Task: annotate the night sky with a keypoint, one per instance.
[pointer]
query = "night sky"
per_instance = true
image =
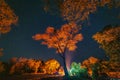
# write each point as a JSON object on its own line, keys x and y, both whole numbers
{"x": 32, "y": 19}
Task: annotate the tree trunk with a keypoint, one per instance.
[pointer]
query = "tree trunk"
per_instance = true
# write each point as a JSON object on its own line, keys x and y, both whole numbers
{"x": 65, "y": 70}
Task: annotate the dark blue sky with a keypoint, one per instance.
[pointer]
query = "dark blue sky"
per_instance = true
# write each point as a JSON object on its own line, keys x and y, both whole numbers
{"x": 32, "y": 19}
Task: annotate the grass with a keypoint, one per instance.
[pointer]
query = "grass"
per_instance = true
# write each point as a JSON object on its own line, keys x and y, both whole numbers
{"x": 45, "y": 77}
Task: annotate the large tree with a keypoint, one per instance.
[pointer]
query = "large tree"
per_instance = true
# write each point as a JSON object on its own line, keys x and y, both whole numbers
{"x": 7, "y": 17}
{"x": 63, "y": 40}
{"x": 109, "y": 40}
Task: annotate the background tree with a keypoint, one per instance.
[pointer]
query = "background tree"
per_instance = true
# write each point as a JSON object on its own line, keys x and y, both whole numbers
{"x": 51, "y": 66}
{"x": 30, "y": 65}
{"x": 13, "y": 60}
{"x": 1, "y": 67}
{"x": 108, "y": 67}
{"x": 62, "y": 39}
{"x": 77, "y": 10}
{"x": 1, "y": 52}
{"x": 19, "y": 66}
{"x": 109, "y": 40}
{"x": 78, "y": 70}
{"x": 7, "y": 17}
{"x": 61, "y": 71}
{"x": 24, "y": 65}
{"x": 37, "y": 64}
{"x": 91, "y": 65}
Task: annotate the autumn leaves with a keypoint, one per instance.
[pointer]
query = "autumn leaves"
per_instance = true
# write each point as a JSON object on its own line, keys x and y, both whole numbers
{"x": 65, "y": 37}
{"x": 109, "y": 40}
{"x": 75, "y": 12}
{"x": 7, "y": 17}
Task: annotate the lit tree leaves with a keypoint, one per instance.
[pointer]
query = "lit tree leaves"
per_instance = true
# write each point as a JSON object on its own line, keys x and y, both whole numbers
{"x": 24, "y": 65}
{"x": 90, "y": 63}
{"x": 50, "y": 30}
{"x": 79, "y": 71}
{"x": 77, "y": 10}
{"x": 7, "y": 17}
{"x": 108, "y": 35}
{"x": 109, "y": 67}
{"x": 109, "y": 40}
{"x": 65, "y": 38}
{"x": 51, "y": 66}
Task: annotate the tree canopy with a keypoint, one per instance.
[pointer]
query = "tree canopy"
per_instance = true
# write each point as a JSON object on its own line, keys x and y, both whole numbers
{"x": 51, "y": 66}
{"x": 7, "y": 17}
{"x": 109, "y": 40}
{"x": 62, "y": 39}
{"x": 77, "y": 10}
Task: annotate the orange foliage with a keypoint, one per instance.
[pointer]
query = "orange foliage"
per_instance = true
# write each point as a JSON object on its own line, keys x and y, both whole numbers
{"x": 90, "y": 61}
{"x": 33, "y": 64}
{"x": 66, "y": 37}
{"x": 50, "y": 30}
{"x": 51, "y": 66}
{"x": 23, "y": 64}
{"x": 79, "y": 10}
{"x": 61, "y": 71}
{"x": 114, "y": 74}
{"x": 7, "y": 17}
{"x": 108, "y": 35}
{"x": 109, "y": 40}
